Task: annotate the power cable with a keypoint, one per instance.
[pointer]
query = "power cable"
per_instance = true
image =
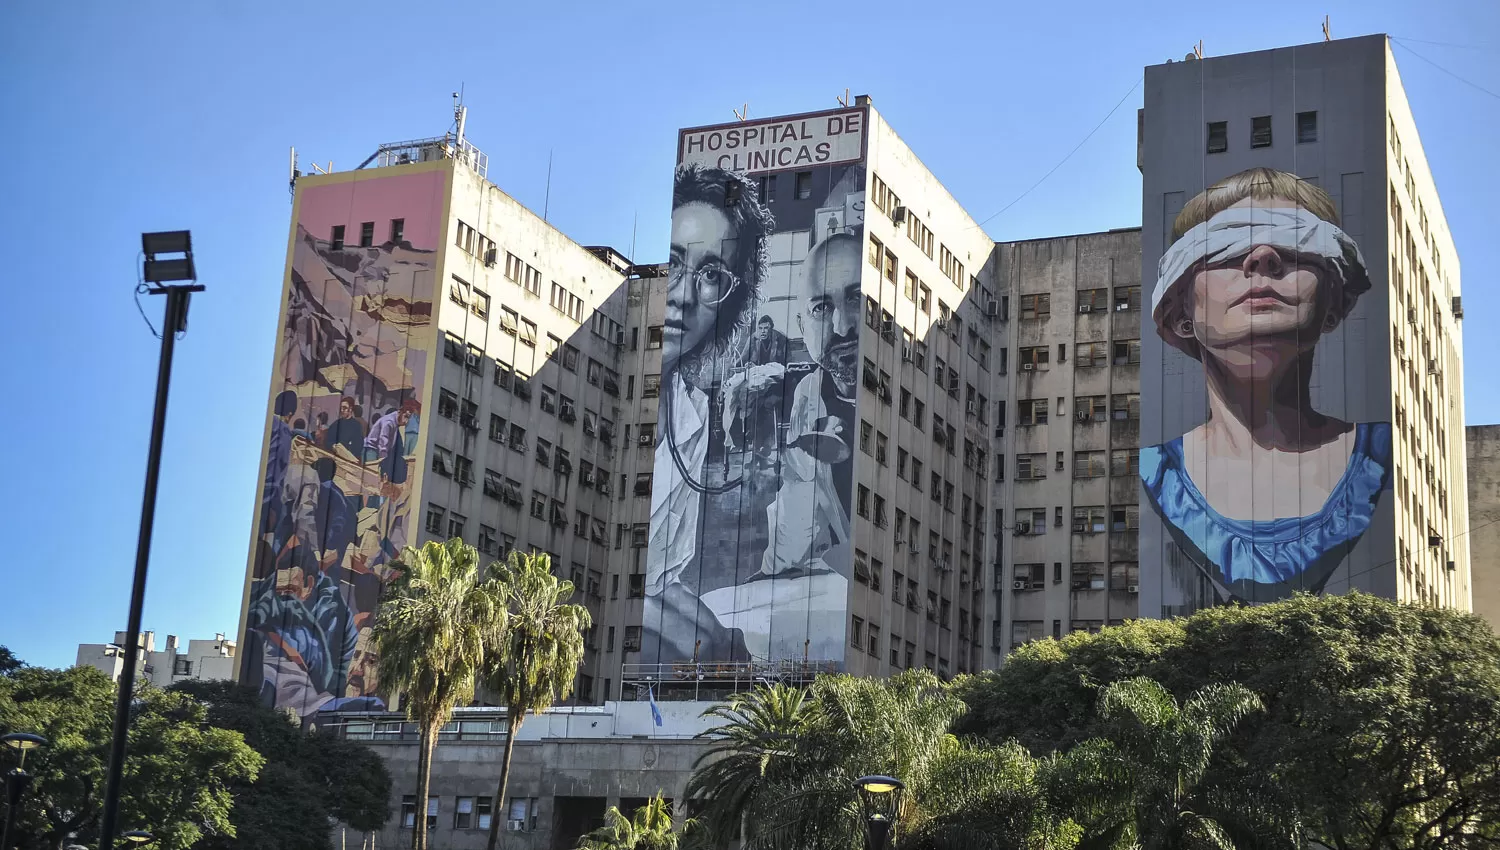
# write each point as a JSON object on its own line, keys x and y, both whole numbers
{"x": 141, "y": 289}
{"x": 1470, "y": 83}
{"x": 1075, "y": 149}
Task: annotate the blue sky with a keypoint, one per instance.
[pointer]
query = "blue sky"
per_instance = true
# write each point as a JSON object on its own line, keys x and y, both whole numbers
{"x": 152, "y": 116}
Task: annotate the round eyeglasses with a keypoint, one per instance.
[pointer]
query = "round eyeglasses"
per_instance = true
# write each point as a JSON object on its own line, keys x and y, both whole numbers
{"x": 712, "y": 282}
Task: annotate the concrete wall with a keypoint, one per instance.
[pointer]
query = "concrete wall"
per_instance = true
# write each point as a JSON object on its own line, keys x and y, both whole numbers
{"x": 1483, "y": 452}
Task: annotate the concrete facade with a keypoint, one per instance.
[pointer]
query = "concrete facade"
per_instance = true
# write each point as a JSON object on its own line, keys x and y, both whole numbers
{"x": 1482, "y": 448}
{"x": 205, "y": 660}
{"x": 570, "y": 765}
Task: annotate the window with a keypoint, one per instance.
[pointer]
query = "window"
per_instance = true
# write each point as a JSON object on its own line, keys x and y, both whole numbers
{"x": 1033, "y": 357}
{"x": 1032, "y": 411}
{"x": 1127, "y": 407}
{"x": 480, "y": 306}
{"x": 891, "y": 266}
{"x": 456, "y": 523}
{"x": 1087, "y": 354}
{"x": 336, "y": 238}
{"x": 1088, "y": 520}
{"x": 1088, "y": 464}
{"x": 1124, "y": 518}
{"x": 487, "y": 542}
{"x": 919, "y": 414}
{"x": 1093, "y": 300}
{"x": 864, "y": 436}
{"x": 1307, "y": 127}
{"x": 1033, "y": 576}
{"x": 509, "y": 319}
{"x": 651, "y": 384}
{"x": 643, "y": 483}
{"x": 1031, "y": 521}
{"x": 1124, "y": 575}
{"x": 880, "y": 515}
{"x": 1127, "y": 352}
{"x": 877, "y": 252}
{"x": 1124, "y": 462}
{"x": 398, "y": 230}
{"x": 862, "y": 502}
{"x": 916, "y": 474}
{"x": 880, "y": 449}
{"x": 910, "y": 289}
{"x": 901, "y": 457}
{"x": 442, "y": 461}
{"x": 1127, "y": 298}
{"x": 463, "y": 813}
{"x": 1218, "y": 136}
{"x": 1090, "y": 408}
{"x": 1031, "y": 467}
{"x": 1036, "y": 306}
{"x": 435, "y": 517}
{"x": 366, "y": 234}
{"x": 653, "y": 337}
{"x": 857, "y": 633}
{"x": 409, "y": 812}
{"x": 1260, "y": 131}
{"x": 528, "y": 332}
{"x": 802, "y": 185}
{"x": 874, "y": 644}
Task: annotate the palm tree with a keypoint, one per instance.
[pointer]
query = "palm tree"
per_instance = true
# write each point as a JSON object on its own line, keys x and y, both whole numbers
{"x": 436, "y": 619}
{"x": 539, "y": 653}
{"x": 1146, "y": 781}
{"x": 648, "y": 828}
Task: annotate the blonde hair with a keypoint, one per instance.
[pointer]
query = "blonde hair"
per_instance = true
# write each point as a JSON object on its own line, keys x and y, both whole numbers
{"x": 1260, "y": 184}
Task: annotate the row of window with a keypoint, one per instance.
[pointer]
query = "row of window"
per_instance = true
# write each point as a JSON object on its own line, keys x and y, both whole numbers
{"x": 367, "y": 234}
{"x": 1090, "y": 519}
{"x": 1260, "y": 132}
{"x": 1123, "y": 576}
{"x": 471, "y": 813}
{"x": 1116, "y": 463}
{"x": 1025, "y": 631}
{"x": 1086, "y": 409}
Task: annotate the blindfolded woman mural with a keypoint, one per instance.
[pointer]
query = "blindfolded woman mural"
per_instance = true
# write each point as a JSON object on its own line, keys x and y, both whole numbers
{"x": 1268, "y": 495}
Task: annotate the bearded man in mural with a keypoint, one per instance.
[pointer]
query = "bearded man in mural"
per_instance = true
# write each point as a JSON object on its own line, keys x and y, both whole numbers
{"x": 1268, "y": 495}
{"x": 718, "y": 262}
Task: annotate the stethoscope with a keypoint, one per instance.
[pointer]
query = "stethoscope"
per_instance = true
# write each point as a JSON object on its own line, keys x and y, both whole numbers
{"x": 671, "y": 438}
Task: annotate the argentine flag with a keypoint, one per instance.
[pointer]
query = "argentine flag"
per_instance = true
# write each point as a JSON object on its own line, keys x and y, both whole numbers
{"x": 655, "y": 712}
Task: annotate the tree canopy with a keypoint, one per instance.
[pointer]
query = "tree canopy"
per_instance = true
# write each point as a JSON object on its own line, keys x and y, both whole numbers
{"x": 310, "y": 778}
{"x": 179, "y": 774}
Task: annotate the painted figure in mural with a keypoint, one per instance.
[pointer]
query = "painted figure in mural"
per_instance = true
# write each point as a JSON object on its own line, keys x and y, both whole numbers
{"x": 1268, "y": 495}
{"x": 718, "y": 262}
{"x": 811, "y": 513}
{"x": 754, "y": 391}
{"x": 278, "y": 456}
{"x": 347, "y": 430}
{"x": 308, "y": 636}
{"x": 387, "y": 441}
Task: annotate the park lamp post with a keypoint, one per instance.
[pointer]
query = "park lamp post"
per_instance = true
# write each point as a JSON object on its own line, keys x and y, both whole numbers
{"x": 138, "y": 837}
{"x": 17, "y": 780}
{"x": 879, "y": 803}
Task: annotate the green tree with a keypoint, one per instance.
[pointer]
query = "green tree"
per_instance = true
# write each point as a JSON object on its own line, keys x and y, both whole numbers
{"x": 782, "y": 764}
{"x": 9, "y": 663}
{"x": 309, "y": 778}
{"x": 437, "y": 619}
{"x": 647, "y": 828}
{"x": 1381, "y": 722}
{"x": 537, "y": 656}
{"x": 179, "y": 771}
{"x": 1155, "y": 761}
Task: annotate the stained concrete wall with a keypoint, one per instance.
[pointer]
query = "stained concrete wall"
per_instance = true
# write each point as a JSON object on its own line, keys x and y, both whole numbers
{"x": 1483, "y": 451}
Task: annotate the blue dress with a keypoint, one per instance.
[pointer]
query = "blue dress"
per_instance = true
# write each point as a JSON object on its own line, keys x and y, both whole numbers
{"x": 1293, "y": 553}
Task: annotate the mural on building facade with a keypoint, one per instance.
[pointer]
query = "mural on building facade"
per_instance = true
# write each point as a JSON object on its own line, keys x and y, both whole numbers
{"x": 1273, "y": 486}
{"x": 749, "y": 550}
{"x": 335, "y": 502}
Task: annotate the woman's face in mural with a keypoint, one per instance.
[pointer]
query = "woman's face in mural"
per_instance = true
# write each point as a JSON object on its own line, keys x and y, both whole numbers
{"x": 704, "y": 250}
{"x": 1264, "y": 298}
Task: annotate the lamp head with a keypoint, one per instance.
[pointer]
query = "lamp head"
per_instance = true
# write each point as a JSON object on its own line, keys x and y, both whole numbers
{"x": 23, "y": 741}
{"x": 138, "y": 837}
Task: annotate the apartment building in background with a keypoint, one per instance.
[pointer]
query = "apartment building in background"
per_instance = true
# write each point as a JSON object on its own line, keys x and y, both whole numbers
{"x": 207, "y": 660}
{"x": 1483, "y": 469}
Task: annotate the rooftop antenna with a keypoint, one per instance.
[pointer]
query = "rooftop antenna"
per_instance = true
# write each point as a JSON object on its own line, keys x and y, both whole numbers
{"x": 1198, "y": 49}
{"x": 634, "y": 224}
{"x": 743, "y": 113}
{"x": 293, "y": 175}
{"x": 460, "y": 115}
{"x": 1327, "y": 30}
{"x": 844, "y": 101}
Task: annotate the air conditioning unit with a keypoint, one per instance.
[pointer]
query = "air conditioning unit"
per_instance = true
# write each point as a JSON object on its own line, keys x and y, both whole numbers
{"x": 945, "y": 565}
{"x": 1132, "y": 588}
{"x": 1432, "y": 367}
{"x": 644, "y": 439}
{"x": 914, "y": 549}
{"x": 1020, "y": 585}
{"x": 898, "y": 215}
{"x": 900, "y": 540}
{"x": 1083, "y": 416}
{"x": 992, "y": 309}
{"x": 603, "y": 489}
{"x": 1080, "y": 527}
{"x": 1028, "y": 367}
{"x": 471, "y": 359}
{"x": 1023, "y": 528}
{"x": 1411, "y": 315}
{"x": 1085, "y": 308}
{"x": 905, "y": 356}
{"x": 491, "y": 257}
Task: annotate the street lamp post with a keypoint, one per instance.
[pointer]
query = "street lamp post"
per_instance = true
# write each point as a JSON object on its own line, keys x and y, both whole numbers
{"x": 880, "y": 804}
{"x": 163, "y": 265}
{"x": 138, "y": 837}
{"x": 17, "y": 780}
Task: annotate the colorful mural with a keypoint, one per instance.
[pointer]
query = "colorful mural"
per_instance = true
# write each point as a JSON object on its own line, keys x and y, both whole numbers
{"x": 749, "y": 551}
{"x": 1268, "y": 487}
{"x": 340, "y": 467}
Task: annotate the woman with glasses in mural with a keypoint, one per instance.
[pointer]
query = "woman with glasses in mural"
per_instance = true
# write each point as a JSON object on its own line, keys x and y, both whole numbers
{"x": 718, "y": 261}
{"x": 1268, "y": 495}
